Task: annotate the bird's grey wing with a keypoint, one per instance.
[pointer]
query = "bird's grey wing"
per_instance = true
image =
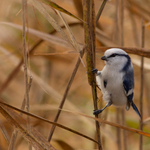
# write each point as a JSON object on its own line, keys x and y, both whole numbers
{"x": 128, "y": 84}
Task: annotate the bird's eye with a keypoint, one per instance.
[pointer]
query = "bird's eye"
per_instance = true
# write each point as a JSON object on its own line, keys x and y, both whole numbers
{"x": 113, "y": 55}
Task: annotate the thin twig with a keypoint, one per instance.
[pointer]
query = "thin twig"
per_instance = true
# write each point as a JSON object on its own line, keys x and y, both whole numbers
{"x": 72, "y": 38}
{"x": 134, "y": 28}
{"x": 124, "y": 132}
{"x": 121, "y": 18}
{"x": 121, "y": 22}
{"x": 4, "y": 132}
{"x": 117, "y": 28}
{"x": 65, "y": 94}
{"x": 93, "y": 86}
{"x": 100, "y": 10}
{"x": 118, "y": 129}
{"x": 15, "y": 132}
{"x": 117, "y": 39}
{"x": 141, "y": 89}
{"x": 25, "y": 53}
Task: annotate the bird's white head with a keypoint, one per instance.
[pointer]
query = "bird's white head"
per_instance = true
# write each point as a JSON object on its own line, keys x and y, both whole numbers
{"x": 116, "y": 57}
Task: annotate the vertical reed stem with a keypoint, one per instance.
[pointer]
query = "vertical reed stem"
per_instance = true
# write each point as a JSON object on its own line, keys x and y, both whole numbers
{"x": 118, "y": 40}
{"x": 121, "y": 18}
{"x": 89, "y": 27}
{"x": 24, "y": 5}
{"x": 100, "y": 10}
{"x": 142, "y": 81}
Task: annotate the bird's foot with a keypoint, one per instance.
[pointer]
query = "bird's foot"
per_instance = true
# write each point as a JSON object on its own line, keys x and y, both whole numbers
{"x": 96, "y": 112}
{"x": 94, "y": 70}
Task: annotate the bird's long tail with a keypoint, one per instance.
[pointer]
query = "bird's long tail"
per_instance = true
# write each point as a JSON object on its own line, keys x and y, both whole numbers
{"x": 136, "y": 109}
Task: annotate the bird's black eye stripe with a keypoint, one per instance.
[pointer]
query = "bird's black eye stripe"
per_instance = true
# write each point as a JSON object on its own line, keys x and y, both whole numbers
{"x": 113, "y": 55}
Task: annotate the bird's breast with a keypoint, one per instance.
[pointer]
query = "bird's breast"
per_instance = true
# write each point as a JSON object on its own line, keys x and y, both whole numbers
{"x": 113, "y": 90}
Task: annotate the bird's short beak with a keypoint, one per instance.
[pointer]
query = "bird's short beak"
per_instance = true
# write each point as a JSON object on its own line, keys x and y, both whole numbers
{"x": 104, "y": 58}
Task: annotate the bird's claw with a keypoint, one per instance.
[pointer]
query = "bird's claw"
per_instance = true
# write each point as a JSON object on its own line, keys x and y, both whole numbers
{"x": 96, "y": 112}
{"x": 94, "y": 70}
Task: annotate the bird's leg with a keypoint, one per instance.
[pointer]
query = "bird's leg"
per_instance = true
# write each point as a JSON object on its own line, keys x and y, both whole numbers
{"x": 96, "y": 112}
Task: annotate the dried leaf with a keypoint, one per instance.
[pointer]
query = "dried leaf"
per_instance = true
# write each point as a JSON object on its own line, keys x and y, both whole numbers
{"x": 4, "y": 132}
{"x": 73, "y": 40}
{"x": 50, "y": 19}
{"x": 57, "y": 7}
{"x": 34, "y": 137}
{"x": 47, "y": 37}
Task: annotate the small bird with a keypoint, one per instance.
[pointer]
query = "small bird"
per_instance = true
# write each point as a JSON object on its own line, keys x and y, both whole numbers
{"x": 116, "y": 80}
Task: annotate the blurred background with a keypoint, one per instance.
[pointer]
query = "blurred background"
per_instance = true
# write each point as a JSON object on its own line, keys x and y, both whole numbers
{"x": 51, "y": 64}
